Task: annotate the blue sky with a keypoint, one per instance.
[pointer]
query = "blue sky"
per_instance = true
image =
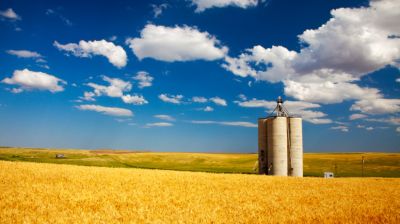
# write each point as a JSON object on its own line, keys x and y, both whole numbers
{"x": 196, "y": 75}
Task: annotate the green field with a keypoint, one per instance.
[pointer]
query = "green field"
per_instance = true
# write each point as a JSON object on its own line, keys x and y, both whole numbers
{"x": 342, "y": 164}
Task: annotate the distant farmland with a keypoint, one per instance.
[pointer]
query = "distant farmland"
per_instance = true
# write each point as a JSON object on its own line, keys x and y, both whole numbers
{"x": 342, "y": 164}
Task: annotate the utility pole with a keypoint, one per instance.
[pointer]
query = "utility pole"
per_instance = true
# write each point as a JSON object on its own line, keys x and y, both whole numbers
{"x": 362, "y": 168}
{"x": 336, "y": 174}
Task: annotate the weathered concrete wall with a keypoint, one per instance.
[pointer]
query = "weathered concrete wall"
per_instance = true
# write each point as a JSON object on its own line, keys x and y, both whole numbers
{"x": 296, "y": 147}
{"x": 279, "y": 145}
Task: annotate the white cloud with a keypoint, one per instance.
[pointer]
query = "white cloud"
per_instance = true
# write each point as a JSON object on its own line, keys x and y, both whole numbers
{"x": 176, "y": 44}
{"x": 159, "y": 124}
{"x": 40, "y": 60}
{"x": 354, "y": 41}
{"x": 199, "y": 99}
{"x": 134, "y": 99}
{"x": 218, "y": 101}
{"x": 115, "y": 54}
{"x": 10, "y": 14}
{"x": 88, "y": 96}
{"x": 113, "y": 38}
{"x": 116, "y": 87}
{"x": 175, "y": 99}
{"x": 50, "y": 12}
{"x": 144, "y": 78}
{"x": 158, "y": 9}
{"x": 352, "y": 44}
{"x": 24, "y": 54}
{"x": 202, "y": 5}
{"x": 326, "y": 91}
{"x": 227, "y": 123}
{"x": 341, "y": 128}
{"x": 112, "y": 111}
{"x": 123, "y": 120}
{"x": 398, "y": 129}
{"x": 208, "y": 109}
{"x": 258, "y": 103}
{"x": 239, "y": 123}
{"x": 30, "y": 54}
{"x": 16, "y": 90}
{"x": 390, "y": 120}
{"x": 295, "y": 108}
{"x": 278, "y": 56}
{"x": 29, "y": 80}
{"x": 398, "y": 80}
{"x": 357, "y": 116}
{"x": 377, "y": 106}
{"x": 164, "y": 117}
{"x": 366, "y": 128}
{"x": 242, "y": 97}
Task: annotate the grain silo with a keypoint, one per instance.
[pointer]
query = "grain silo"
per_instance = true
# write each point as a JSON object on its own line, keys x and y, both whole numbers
{"x": 280, "y": 143}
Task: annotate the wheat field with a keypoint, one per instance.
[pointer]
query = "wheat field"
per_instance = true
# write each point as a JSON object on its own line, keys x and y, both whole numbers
{"x": 52, "y": 193}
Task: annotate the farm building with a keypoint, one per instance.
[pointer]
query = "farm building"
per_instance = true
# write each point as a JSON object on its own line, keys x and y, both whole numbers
{"x": 280, "y": 143}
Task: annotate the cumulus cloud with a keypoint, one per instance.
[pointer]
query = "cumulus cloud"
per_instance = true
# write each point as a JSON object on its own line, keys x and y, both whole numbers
{"x": 144, "y": 78}
{"x": 10, "y": 14}
{"x": 134, "y": 99}
{"x": 175, "y": 99}
{"x": 199, "y": 99}
{"x": 377, "y": 106}
{"x": 164, "y": 117}
{"x": 202, "y": 5}
{"x": 115, "y": 54}
{"x": 227, "y": 123}
{"x": 116, "y": 87}
{"x": 179, "y": 43}
{"x": 30, "y": 80}
{"x": 112, "y": 111}
{"x": 357, "y": 116}
{"x": 333, "y": 58}
{"x": 218, "y": 101}
{"x": 327, "y": 90}
{"x": 276, "y": 62}
{"x": 306, "y": 110}
{"x": 159, "y": 124}
{"x": 24, "y": 54}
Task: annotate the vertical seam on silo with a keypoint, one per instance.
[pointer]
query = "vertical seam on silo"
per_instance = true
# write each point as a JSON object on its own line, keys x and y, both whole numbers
{"x": 289, "y": 146}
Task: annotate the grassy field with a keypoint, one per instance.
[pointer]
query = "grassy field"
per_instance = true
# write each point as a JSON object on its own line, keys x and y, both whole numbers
{"x": 342, "y": 164}
{"x": 53, "y": 193}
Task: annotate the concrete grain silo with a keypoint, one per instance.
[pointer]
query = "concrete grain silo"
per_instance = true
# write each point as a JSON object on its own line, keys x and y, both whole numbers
{"x": 279, "y": 146}
{"x": 295, "y": 147}
{"x": 280, "y": 143}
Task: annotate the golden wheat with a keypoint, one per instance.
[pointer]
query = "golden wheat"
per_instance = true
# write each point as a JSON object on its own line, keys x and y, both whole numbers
{"x": 48, "y": 193}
